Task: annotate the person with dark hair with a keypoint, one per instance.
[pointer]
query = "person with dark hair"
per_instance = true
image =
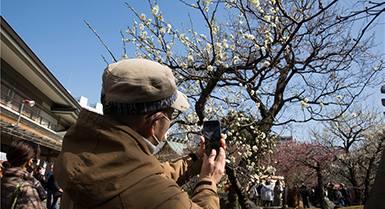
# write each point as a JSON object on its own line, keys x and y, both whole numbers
{"x": 278, "y": 190}
{"x": 53, "y": 190}
{"x": 305, "y": 194}
{"x": 38, "y": 175}
{"x": 259, "y": 188}
{"x": 345, "y": 195}
{"x": 18, "y": 187}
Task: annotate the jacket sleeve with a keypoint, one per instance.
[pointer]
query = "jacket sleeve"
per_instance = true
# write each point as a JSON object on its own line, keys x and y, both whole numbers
{"x": 31, "y": 197}
{"x": 57, "y": 187}
{"x": 205, "y": 194}
{"x": 182, "y": 169}
{"x": 39, "y": 188}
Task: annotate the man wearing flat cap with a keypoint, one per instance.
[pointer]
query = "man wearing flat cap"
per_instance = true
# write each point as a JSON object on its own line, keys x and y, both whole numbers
{"x": 107, "y": 160}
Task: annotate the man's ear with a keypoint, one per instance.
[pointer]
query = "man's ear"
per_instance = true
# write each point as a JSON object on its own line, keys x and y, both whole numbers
{"x": 151, "y": 126}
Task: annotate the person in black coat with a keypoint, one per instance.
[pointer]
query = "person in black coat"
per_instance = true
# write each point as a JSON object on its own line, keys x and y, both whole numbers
{"x": 54, "y": 190}
{"x": 304, "y": 191}
{"x": 39, "y": 176}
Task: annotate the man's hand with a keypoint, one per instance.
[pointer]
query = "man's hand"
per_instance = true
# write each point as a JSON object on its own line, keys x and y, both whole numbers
{"x": 202, "y": 147}
{"x": 213, "y": 166}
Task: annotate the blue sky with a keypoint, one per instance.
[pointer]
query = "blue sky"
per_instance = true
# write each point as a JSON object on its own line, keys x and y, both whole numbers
{"x": 56, "y": 33}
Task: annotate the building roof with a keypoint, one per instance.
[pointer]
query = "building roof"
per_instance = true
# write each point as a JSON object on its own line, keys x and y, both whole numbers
{"x": 177, "y": 147}
{"x": 17, "y": 54}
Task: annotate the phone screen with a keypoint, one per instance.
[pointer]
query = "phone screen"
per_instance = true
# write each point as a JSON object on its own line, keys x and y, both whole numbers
{"x": 212, "y": 134}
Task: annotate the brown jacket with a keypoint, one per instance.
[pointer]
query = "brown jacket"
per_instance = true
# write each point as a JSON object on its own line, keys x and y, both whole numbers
{"x": 32, "y": 193}
{"x": 104, "y": 164}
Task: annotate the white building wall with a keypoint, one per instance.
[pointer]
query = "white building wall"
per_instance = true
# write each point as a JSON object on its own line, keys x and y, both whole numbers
{"x": 95, "y": 107}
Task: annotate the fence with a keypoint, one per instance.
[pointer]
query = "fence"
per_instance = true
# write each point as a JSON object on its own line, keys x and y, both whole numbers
{"x": 33, "y": 113}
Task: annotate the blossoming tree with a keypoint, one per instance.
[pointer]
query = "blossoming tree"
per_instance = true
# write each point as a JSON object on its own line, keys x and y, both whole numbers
{"x": 360, "y": 133}
{"x": 309, "y": 162}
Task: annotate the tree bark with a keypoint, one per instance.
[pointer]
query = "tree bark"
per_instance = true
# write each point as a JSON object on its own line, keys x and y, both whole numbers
{"x": 320, "y": 192}
{"x": 244, "y": 202}
{"x": 377, "y": 196}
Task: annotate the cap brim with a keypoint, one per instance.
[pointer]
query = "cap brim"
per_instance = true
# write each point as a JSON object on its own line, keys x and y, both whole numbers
{"x": 181, "y": 102}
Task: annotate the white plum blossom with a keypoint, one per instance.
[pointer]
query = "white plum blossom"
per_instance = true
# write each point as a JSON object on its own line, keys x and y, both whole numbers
{"x": 248, "y": 153}
{"x": 168, "y": 28}
{"x": 267, "y": 18}
{"x": 236, "y": 59}
{"x": 255, "y": 3}
{"x": 155, "y": 10}
{"x": 210, "y": 68}
{"x": 162, "y": 30}
{"x": 270, "y": 170}
{"x": 142, "y": 16}
{"x": 190, "y": 58}
{"x": 263, "y": 135}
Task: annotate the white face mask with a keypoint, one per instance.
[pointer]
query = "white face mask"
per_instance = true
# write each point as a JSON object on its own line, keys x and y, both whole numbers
{"x": 160, "y": 145}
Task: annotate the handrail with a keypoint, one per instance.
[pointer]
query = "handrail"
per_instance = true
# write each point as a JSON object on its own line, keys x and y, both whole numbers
{"x": 27, "y": 111}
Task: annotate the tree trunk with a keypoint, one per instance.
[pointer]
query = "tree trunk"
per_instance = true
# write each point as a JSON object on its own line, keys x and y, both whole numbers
{"x": 232, "y": 198}
{"x": 377, "y": 195}
{"x": 244, "y": 202}
{"x": 369, "y": 172}
{"x": 320, "y": 193}
{"x": 353, "y": 180}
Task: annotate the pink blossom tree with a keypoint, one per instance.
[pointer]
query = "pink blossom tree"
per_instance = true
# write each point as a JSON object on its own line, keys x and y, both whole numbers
{"x": 309, "y": 162}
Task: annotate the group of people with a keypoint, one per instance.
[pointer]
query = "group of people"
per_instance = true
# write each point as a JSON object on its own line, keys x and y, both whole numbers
{"x": 340, "y": 196}
{"x": 266, "y": 194}
{"x": 334, "y": 196}
{"x": 23, "y": 185}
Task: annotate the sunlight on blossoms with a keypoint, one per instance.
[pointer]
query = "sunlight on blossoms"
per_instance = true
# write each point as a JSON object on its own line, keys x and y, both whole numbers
{"x": 267, "y": 18}
{"x": 190, "y": 58}
{"x": 255, "y": 3}
{"x": 270, "y": 170}
{"x": 155, "y": 10}
{"x": 142, "y": 16}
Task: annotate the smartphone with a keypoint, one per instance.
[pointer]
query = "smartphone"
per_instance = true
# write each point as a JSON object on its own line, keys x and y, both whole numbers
{"x": 212, "y": 134}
